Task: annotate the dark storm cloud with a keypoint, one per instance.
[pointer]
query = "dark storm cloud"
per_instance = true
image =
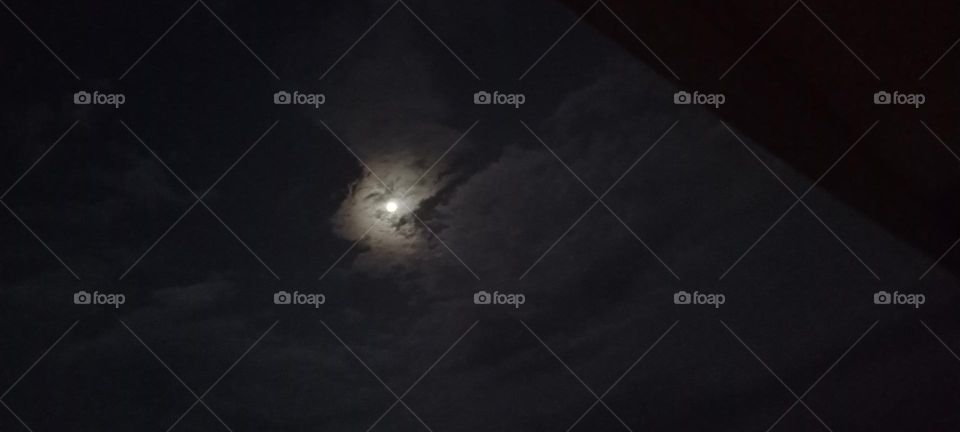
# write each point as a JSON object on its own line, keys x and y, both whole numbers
{"x": 400, "y": 299}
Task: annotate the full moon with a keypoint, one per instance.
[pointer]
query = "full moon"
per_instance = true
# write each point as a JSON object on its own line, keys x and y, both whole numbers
{"x": 392, "y": 206}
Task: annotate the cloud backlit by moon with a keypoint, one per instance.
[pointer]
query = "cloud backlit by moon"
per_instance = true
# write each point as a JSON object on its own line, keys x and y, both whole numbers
{"x": 377, "y": 211}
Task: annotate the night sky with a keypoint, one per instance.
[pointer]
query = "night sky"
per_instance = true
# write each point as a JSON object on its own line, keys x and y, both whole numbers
{"x": 600, "y": 200}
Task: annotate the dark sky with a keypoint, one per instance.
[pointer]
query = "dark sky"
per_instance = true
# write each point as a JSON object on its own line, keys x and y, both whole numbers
{"x": 503, "y": 199}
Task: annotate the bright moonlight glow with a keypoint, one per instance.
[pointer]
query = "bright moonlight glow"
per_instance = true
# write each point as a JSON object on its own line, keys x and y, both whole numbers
{"x": 392, "y": 206}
